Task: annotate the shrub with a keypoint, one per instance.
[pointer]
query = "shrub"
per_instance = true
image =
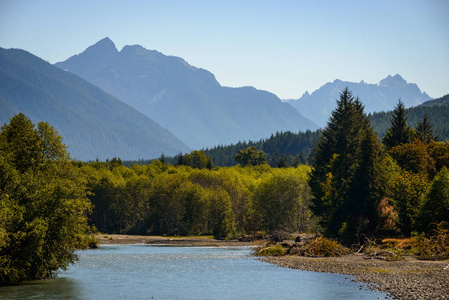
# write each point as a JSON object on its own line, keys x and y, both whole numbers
{"x": 272, "y": 250}
{"x": 437, "y": 246}
{"x": 325, "y": 247}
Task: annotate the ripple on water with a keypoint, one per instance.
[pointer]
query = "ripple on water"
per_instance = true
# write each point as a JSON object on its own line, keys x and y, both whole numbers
{"x": 142, "y": 272}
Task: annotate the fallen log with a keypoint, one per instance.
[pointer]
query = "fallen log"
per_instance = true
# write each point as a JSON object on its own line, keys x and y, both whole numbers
{"x": 384, "y": 252}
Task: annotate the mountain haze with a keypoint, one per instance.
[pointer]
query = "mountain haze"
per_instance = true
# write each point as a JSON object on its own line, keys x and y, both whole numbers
{"x": 186, "y": 100}
{"x": 93, "y": 123}
{"x": 382, "y": 96}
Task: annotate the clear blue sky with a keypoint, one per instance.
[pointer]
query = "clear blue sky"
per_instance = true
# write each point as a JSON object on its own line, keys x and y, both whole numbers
{"x": 285, "y": 47}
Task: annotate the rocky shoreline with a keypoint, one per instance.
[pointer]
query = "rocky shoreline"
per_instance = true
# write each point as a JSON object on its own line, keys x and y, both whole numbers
{"x": 406, "y": 279}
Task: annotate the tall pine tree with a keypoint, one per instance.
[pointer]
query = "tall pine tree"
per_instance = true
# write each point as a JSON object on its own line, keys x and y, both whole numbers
{"x": 399, "y": 132}
{"x": 344, "y": 179}
{"x": 425, "y": 132}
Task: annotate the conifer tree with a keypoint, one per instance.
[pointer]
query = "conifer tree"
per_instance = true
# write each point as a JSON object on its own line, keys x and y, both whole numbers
{"x": 399, "y": 132}
{"x": 425, "y": 132}
{"x": 344, "y": 176}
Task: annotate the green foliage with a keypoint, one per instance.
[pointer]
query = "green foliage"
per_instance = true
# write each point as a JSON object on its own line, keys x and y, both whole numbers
{"x": 347, "y": 179}
{"x": 399, "y": 132}
{"x": 43, "y": 203}
{"x": 223, "y": 202}
{"x": 439, "y": 152}
{"x": 436, "y": 110}
{"x": 272, "y": 250}
{"x": 196, "y": 160}
{"x": 424, "y": 131}
{"x": 251, "y": 157}
{"x": 325, "y": 247}
{"x": 291, "y": 148}
{"x": 414, "y": 157}
{"x": 282, "y": 200}
{"x": 409, "y": 190}
{"x": 436, "y": 205}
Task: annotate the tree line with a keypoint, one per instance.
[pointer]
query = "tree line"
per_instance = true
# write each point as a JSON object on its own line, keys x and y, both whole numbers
{"x": 436, "y": 110}
{"x": 362, "y": 187}
{"x": 228, "y": 202}
{"x": 283, "y": 149}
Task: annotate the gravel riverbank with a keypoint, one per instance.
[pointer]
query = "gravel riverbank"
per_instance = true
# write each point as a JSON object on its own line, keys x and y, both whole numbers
{"x": 407, "y": 279}
{"x": 106, "y": 239}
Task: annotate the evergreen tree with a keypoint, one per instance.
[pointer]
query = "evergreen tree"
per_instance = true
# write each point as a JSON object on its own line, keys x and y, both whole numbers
{"x": 251, "y": 157}
{"x": 436, "y": 205}
{"x": 399, "y": 132}
{"x": 425, "y": 132}
{"x": 366, "y": 187}
{"x": 344, "y": 176}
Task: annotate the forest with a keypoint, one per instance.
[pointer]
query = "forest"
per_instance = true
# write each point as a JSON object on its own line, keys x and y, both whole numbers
{"x": 355, "y": 185}
{"x": 289, "y": 149}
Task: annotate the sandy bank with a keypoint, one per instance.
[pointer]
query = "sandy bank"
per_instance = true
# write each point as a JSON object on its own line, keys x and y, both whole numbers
{"x": 172, "y": 241}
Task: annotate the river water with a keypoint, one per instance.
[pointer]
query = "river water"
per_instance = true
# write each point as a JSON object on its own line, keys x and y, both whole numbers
{"x": 155, "y": 272}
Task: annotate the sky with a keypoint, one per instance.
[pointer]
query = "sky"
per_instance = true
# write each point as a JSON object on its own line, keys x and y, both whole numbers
{"x": 284, "y": 47}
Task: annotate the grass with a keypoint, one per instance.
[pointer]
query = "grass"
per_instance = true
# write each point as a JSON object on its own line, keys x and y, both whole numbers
{"x": 325, "y": 247}
{"x": 273, "y": 250}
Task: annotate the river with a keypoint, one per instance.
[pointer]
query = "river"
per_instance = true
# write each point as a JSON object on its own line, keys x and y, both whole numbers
{"x": 155, "y": 272}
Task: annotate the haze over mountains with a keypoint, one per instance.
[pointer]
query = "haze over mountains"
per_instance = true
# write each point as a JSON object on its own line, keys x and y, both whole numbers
{"x": 382, "y": 96}
{"x": 168, "y": 96}
{"x": 93, "y": 123}
{"x": 186, "y": 100}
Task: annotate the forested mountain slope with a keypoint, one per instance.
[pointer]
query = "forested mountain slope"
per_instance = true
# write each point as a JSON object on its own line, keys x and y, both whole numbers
{"x": 184, "y": 99}
{"x": 437, "y": 111}
{"x": 93, "y": 123}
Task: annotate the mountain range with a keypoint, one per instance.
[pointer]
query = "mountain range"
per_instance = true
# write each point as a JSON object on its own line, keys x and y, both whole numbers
{"x": 379, "y": 97}
{"x": 186, "y": 100}
{"x": 93, "y": 123}
{"x": 138, "y": 103}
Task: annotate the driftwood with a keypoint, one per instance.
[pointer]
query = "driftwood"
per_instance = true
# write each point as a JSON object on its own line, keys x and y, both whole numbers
{"x": 446, "y": 268}
{"x": 360, "y": 249}
{"x": 384, "y": 252}
{"x": 376, "y": 255}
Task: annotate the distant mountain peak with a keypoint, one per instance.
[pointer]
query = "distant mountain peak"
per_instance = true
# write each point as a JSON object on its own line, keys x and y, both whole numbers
{"x": 375, "y": 97}
{"x": 96, "y": 56}
{"x": 105, "y": 41}
{"x": 187, "y": 100}
{"x": 104, "y": 46}
{"x": 389, "y": 80}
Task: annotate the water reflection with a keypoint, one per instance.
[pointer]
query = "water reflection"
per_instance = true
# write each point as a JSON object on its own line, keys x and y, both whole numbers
{"x": 59, "y": 288}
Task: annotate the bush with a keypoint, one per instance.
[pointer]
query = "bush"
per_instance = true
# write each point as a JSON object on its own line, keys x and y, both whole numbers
{"x": 272, "y": 250}
{"x": 437, "y": 246}
{"x": 324, "y": 247}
